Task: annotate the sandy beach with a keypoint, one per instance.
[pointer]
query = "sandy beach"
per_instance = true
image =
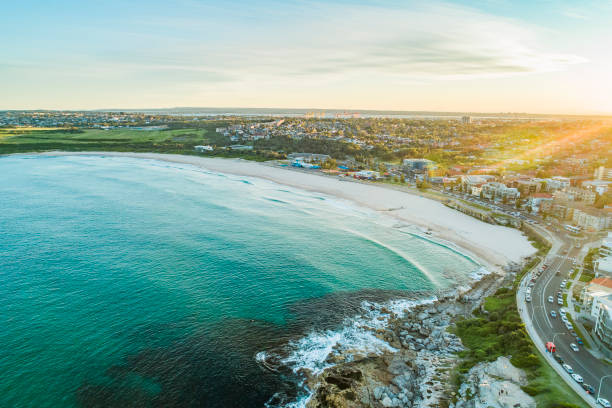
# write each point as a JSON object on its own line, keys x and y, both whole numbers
{"x": 493, "y": 245}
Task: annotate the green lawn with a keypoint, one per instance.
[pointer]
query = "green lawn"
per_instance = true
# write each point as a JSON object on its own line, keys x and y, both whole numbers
{"x": 586, "y": 277}
{"x": 63, "y": 136}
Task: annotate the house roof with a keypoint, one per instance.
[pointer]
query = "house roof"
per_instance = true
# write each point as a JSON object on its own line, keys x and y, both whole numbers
{"x": 607, "y": 282}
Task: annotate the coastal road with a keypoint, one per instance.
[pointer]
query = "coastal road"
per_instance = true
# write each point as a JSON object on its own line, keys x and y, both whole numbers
{"x": 560, "y": 264}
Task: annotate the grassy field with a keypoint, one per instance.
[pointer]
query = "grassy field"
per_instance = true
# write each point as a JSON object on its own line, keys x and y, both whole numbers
{"x": 179, "y": 141}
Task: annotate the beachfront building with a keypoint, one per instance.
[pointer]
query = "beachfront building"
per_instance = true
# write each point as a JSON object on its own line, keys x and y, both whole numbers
{"x": 540, "y": 202}
{"x": 603, "y": 267}
{"x": 473, "y": 183}
{"x": 593, "y": 292}
{"x": 499, "y": 191}
{"x": 561, "y": 211}
{"x": 596, "y": 298}
{"x": 592, "y": 219}
{"x": 528, "y": 187}
{"x": 602, "y": 333}
{"x": 308, "y": 157}
{"x": 605, "y": 249}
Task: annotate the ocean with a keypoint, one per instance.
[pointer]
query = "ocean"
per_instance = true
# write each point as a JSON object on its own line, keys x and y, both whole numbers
{"x": 139, "y": 283}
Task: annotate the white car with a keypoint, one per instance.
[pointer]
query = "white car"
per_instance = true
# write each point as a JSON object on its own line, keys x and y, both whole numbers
{"x": 569, "y": 326}
{"x": 574, "y": 347}
{"x": 603, "y": 402}
{"x": 560, "y": 302}
{"x": 562, "y": 311}
{"x": 577, "y": 378}
{"x": 550, "y": 299}
{"x": 553, "y": 313}
{"x": 528, "y": 298}
{"x": 568, "y": 368}
{"x": 564, "y": 319}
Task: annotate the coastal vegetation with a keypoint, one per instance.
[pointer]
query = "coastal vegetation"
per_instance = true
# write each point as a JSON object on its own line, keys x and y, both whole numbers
{"x": 497, "y": 330}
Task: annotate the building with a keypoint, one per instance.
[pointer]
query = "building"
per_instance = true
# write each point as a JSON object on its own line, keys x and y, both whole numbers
{"x": 466, "y": 120}
{"x": 528, "y": 187}
{"x": 581, "y": 194}
{"x": 596, "y": 298}
{"x": 603, "y": 267}
{"x": 470, "y": 182}
{"x": 592, "y": 219}
{"x": 605, "y": 249}
{"x": 418, "y": 164}
{"x": 240, "y": 147}
{"x": 499, "y": 191}
{"x": 598, "y": 186}
{"x": 201, "y": 148}
{"x": 602, "y": 173}
{"x": 561, "y": 211}
{"x": 308, "y": 157}
{"x": 602, "y": 333}
{"x": 540, "y": 202}
{"x": 557, "y": 183}
{"x": 595, "y": 290}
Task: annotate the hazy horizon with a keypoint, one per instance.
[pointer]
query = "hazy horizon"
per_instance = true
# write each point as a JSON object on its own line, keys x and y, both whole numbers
{"x": 539, "y": 57}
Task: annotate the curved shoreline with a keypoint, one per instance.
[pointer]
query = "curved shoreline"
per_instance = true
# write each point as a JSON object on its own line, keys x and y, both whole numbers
{"x": 492, "y": 245}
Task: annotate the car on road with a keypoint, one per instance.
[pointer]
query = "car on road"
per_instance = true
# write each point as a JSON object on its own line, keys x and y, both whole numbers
{"x": 528, "y": 298}
{"x": 588, "y": 388}
{"x": 577, "y": 378}
{"x": 579, "y": 340}
{"x": 550, "y": 299}
{"x": 573, "y": 333}
{"x": 574, "y": 347}
{"x": 603, "y": 402}
{"x": 568, "y": 368}
{"x": 553, "y": 313}
{"x": 559, "y": 359}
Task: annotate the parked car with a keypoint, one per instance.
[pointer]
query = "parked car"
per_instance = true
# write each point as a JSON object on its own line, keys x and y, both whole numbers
{"x": 603, "y": 402}
{"x": 562, "y": 311}
{"x": 577, "y": 378}
{"x": 573, "y": 333}
{"x": 588, "y": 388}
{"x": 579, "y": 340}
{"x": 553, "y": 313}
{"x": 568, "y": 368}
{"x": 560, "y": 302}
{"x": 569, "y": 326}
{"x": 564, "y": 319}
{"x": 574, "y": 347}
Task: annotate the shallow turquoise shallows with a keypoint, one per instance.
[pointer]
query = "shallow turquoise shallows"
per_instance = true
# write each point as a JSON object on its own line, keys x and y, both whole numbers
{"x": 129, "y": 282}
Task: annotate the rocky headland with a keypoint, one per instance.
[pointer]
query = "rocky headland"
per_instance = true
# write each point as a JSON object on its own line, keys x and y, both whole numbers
{"x": 418, "y": 370}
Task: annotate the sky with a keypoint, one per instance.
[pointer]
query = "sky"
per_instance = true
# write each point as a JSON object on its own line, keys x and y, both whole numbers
{"x": 538, "y": 56}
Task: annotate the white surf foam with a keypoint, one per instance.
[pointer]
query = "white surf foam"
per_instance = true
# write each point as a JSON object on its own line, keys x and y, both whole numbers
{"x": 356, "y": 337}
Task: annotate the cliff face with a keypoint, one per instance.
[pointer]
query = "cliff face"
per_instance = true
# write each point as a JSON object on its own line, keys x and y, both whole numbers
{"x": 417, "y": 373}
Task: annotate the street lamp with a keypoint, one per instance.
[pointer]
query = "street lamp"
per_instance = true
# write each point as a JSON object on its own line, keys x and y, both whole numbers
{"x": 600, "y": 381}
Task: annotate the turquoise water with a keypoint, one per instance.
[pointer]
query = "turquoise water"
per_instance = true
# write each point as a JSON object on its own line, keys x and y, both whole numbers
{"x": 129, "y": 282}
